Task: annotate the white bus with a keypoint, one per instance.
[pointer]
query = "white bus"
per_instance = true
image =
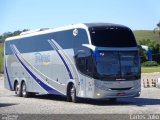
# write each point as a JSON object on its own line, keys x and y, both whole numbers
{"x": 94, "y": 60}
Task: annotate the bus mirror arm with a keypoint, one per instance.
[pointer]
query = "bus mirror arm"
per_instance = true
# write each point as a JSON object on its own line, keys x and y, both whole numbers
{"x": 139, "y": 47}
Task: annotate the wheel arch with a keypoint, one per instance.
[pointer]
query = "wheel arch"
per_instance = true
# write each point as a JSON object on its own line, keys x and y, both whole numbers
{"x": 15, "y": 83}
{"x": 68, "y": 87}
{"x": 22, "y": 81}
{"x": 71, "y": 97}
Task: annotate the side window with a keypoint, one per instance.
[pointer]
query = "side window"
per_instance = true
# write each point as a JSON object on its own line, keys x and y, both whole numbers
{"x": 79, "y": 39}
{"x": 81, "y": 62}
{"x": 7, "y": 50}
{"x": 82, "y": 54}
{"x": 64, "y": 39}
{"x": 84, "y": 62}
{"x": 30, "y": 44}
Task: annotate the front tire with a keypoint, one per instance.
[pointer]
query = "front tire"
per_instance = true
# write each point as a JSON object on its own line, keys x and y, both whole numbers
{"x": 71, "y": 96}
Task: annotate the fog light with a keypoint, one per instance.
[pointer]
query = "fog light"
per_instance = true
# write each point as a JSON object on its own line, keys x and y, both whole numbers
{"x": 98, "y": 94}
{"x": 139, "y": 93}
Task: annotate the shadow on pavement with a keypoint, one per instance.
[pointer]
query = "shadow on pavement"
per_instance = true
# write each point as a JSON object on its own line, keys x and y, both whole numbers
{"x": 6, "y": 104}
{"x": 119, "y": 101}
{"x": 126, "y": 101}
{"x": 50, "y": 97}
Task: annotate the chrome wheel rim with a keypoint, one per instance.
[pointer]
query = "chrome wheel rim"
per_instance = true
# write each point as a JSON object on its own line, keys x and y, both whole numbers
{"x": 17, "y": 89}
{"x": 24, "y": 90}
{"x": 72, "y": 93}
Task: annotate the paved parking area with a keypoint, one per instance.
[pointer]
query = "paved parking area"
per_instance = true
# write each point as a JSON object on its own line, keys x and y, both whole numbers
{"x": 147, "y": 103}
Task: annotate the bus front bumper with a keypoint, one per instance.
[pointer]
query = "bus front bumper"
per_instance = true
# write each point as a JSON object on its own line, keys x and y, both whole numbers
{"x": 122, "y": 89}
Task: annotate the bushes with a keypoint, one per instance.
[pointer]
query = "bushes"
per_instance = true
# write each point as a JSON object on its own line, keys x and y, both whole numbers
{"x": 149, "y": 64}
{"x": 154, "y": 46}
{"x": 1, "y": 67}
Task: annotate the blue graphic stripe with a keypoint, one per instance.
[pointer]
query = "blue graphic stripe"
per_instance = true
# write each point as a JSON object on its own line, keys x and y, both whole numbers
{"x": 10, "y": 86}
{"x": 66, "y": 66}
{"x": 64, "y": 62}
{"x": 43, "y": 85}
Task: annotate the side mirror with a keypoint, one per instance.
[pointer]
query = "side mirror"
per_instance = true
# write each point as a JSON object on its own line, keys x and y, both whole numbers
{"x": 139, "y": 47}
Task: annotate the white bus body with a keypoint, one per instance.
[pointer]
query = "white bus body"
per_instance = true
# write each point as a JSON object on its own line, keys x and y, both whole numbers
{"x": 97, "y": 61}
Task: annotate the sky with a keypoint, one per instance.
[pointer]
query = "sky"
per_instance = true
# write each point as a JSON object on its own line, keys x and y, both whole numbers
{"x": 33, "y": 14}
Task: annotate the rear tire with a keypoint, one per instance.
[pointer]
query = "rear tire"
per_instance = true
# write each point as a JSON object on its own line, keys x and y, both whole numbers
{"x": 24, "y": 90}
{"x": 18, "y": 90}
{"x": 71, "y": 95}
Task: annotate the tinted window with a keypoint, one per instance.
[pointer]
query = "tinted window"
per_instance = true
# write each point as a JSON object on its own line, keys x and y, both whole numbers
{"x": 112, "y": 37}
{"x": 65, "y": 39}
{"x": 80, "y": 38}
{"x": 113, "y": 65}
{"x": 30, "y": 44}
{"x": 84, "y": 62}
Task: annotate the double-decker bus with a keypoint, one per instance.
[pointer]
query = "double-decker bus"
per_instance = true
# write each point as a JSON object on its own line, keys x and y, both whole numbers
{"x": 93, "y": 60}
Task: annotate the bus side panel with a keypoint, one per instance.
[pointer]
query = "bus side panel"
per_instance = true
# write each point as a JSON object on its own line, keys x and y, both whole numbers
{"x": 49, "y": 68}
{"x": 16, "y": 72}
{"x": 8, "y": 82}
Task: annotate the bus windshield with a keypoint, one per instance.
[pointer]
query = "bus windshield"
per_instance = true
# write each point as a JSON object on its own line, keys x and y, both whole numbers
{"x": 117, "y": 65}
{"x": 112, "y": 37}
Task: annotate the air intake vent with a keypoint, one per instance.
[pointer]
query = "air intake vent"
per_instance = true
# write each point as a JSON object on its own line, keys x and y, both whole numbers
{"x": 33, "y": 31}
{"x": 121, "y": 88}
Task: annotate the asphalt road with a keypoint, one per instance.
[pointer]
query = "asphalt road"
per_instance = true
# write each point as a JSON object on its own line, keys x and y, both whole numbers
{"x": 147, "y": 103}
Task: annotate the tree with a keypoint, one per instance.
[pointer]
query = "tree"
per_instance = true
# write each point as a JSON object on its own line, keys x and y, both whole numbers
{"x": 154, "y": 46}
{"x": 158, "y": 25}
{"x": 10, "y": 34}
{"x": 157, "y": 28}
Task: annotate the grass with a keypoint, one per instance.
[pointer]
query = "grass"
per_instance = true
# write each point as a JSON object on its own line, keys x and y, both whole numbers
{"x": 150, "y": 69}
{"x": 147, "y": 34}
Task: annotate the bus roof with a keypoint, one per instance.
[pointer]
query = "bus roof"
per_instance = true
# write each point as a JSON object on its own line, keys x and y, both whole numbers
{"x": 90, "y": 25}
{"x": 40, "y": 32}
{"x": 84, "y": 26}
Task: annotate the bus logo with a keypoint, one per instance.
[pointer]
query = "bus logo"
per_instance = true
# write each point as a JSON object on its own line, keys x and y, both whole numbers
{"x": 43, "y": 58}
{"x": 75, "y": 32}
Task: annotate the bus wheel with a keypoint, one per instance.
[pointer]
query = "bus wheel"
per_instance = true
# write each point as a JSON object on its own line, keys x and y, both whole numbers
{"x": 24, "y": 90}
{"x": 18, "y": 91}
{"x": 71, "y": 97}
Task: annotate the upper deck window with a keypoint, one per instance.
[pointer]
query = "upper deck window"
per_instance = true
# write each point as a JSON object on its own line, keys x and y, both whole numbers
{"x": 112, "y": 37}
